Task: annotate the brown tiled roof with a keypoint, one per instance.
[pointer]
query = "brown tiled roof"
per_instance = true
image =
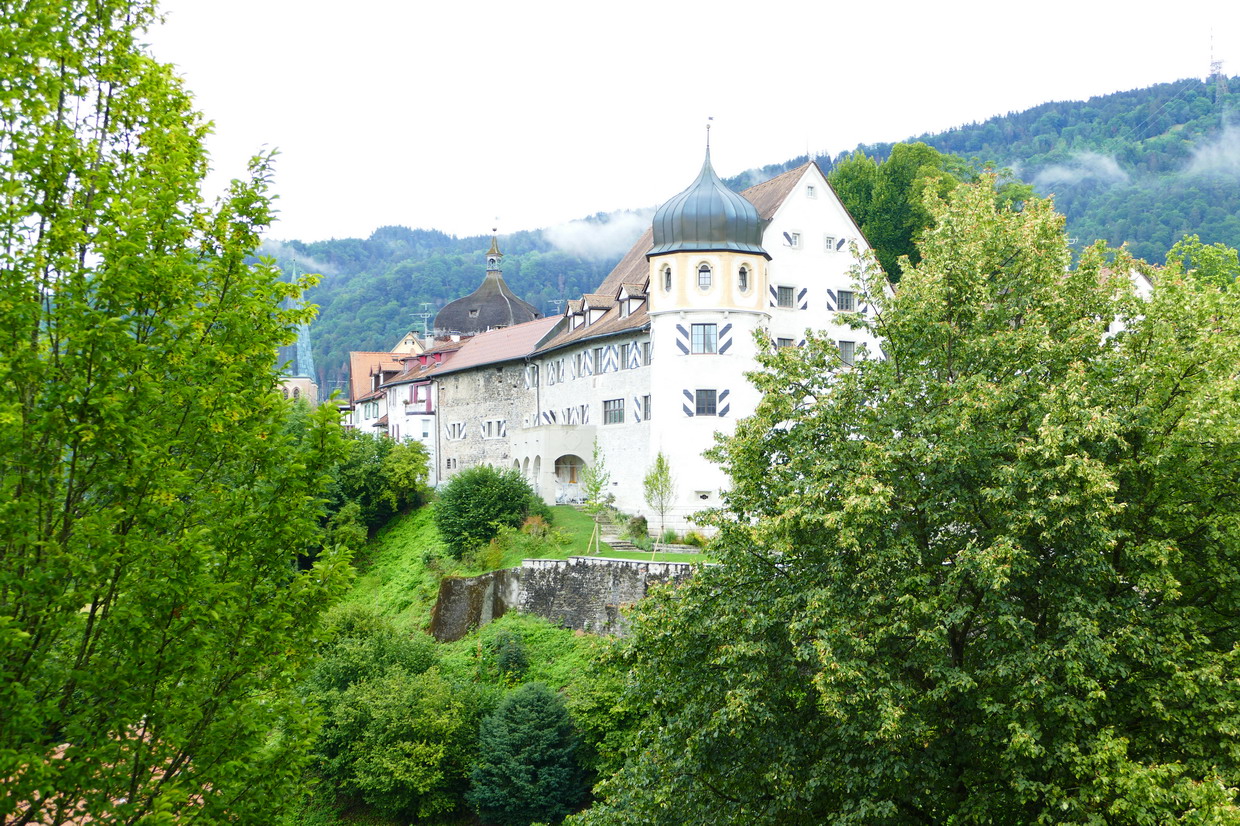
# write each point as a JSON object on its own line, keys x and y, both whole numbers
{"x": 362, "y": 366}
{"x": 768, "y": 195}
{"x": 632, "y": 266}
{"x": 575, "y": 305}
{"x": 635, "y": 288}
{"x": 495, "y": 346}
{"x": 598, "y": 301}
{"x": 611, "y": 323}
{"x": 417, "y": 371}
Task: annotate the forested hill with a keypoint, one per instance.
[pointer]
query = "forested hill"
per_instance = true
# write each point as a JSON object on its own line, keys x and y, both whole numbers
{"x": 372, "y": 291}
{"x": 1143, "y": 167}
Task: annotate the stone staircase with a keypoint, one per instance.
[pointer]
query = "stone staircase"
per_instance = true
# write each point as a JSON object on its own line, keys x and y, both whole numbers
{"x": 609, "y": 533}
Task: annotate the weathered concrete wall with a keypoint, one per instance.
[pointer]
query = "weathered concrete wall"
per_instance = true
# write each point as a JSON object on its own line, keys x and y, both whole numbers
{"x": 582, "y": 593}
{"x": 465, "y": 603}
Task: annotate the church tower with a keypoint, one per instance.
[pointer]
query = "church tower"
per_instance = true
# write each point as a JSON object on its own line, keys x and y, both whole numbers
{"x": 707, "y": 295}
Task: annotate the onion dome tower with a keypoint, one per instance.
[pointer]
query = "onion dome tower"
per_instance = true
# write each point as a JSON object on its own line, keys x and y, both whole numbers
{"x": 491, "y": 306}
{"x": 707, "y": 217}
{"x": 708, "y": 293}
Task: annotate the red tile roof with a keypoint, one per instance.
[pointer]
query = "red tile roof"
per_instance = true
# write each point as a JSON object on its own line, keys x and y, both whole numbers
{"x": 495, "y": 346}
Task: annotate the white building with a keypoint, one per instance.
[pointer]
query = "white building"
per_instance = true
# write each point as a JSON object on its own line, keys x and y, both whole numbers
{"x": 655, "y": 359}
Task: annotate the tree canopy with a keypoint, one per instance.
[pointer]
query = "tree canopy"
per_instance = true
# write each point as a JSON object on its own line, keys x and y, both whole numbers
{"x": 991, "y": 577}
{"x": 152, "y": 498}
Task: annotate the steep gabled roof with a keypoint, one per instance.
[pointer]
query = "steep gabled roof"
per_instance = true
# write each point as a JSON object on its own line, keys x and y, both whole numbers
{"x": 363, "y": 364}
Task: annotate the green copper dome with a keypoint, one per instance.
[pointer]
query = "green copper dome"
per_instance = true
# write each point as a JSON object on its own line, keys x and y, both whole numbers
{"x": 707, "y": 216}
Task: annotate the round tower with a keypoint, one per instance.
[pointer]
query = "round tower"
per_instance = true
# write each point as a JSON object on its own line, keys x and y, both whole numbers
{"x": 707, "y": 295}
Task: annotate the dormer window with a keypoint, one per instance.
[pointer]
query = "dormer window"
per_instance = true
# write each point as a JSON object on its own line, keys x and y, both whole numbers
{"x": 667, "y": 279}
{"x": 742, "y": 279}
{"x": 704, "y": 276}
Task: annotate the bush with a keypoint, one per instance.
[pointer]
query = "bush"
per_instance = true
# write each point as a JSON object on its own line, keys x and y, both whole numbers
{"x": 477, "y": 502}
{"x": 669, "y": 537}
{"x": 510, "y": 655}
{"x": 527, "y": 767}
{"x": 695, "y": 539}
{"x": 638, "y": 528}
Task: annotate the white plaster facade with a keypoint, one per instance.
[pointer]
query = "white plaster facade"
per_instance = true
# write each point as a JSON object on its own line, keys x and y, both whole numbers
{"x": 655, "y": 361}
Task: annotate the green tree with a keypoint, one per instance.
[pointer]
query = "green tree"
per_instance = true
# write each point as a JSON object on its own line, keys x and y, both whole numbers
{"x": 595, "y": 483}
{"x": 478, "y": 501}
{"x": 527, "y": 767}
{"x": 152, "y": 498}
{"x": 991, "y": 577}
{"x": 659, "y": 486}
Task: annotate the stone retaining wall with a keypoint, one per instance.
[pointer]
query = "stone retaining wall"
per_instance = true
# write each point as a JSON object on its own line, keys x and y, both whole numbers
{"x": 584, "y": 593}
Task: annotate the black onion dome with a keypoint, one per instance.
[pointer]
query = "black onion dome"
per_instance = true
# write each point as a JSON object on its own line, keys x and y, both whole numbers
{"x": 707, "y": 216}
{"x": 491, "y": 305}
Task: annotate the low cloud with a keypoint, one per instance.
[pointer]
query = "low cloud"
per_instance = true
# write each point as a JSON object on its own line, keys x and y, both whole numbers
{"x": 1082, "y": 166}
{"x": 1219, "y": 157}
{"x": 608, "y": 236}
{"x": 285, "y": 255}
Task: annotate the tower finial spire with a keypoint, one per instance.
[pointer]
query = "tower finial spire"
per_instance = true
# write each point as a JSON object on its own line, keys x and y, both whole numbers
{"x": 708, "y": 120}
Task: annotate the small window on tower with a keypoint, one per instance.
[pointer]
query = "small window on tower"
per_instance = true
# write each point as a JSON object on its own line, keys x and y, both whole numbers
{"x": 667, "y": 279}
{"x": 743, "y": 279}
{"x": 704, "y": 276}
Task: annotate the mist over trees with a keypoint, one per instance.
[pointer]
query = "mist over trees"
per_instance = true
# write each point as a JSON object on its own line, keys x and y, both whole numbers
{"x": 1142, "y": 168}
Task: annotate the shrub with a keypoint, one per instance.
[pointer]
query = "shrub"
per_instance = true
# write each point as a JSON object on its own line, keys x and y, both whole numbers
{"x": 695, "y": 539}
{"x": 510, "y": 655}
{"x": 527, "y": 767}
{"x": 477, "y": 502}
{"x": 669, "y": 537}
{"x": 638, "y": 528}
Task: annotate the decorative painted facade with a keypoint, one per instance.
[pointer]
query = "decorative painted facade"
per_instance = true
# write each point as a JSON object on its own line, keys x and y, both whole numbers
{"x": 654, "y": 360}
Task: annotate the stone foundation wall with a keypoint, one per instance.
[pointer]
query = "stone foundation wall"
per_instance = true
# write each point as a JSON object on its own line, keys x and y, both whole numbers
{"x": 583, "y": 593}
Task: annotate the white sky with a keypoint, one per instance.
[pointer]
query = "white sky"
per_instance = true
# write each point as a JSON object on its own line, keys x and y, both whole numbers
{"x": 451, "y": 115}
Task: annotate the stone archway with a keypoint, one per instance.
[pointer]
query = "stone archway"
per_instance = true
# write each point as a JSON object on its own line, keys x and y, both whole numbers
{"x": 568, "y": 479}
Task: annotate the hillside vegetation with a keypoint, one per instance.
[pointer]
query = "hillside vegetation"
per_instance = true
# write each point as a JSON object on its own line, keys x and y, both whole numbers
{"x": 1143, "y": 168}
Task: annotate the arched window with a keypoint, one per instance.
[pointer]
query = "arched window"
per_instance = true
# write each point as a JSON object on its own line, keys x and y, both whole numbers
{"x": 742, "y": 278}
{"x": 296, "y": 392}
{"x": 704, "y": 276}
{"x": 667, "y": 279}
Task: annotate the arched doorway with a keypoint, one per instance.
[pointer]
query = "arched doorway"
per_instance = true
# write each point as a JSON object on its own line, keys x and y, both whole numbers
{"x": 568, "y": 479}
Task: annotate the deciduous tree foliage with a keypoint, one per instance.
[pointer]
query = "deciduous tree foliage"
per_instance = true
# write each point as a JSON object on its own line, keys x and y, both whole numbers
{"x": 991, "y": 578}
{"x": 152, "y": 500}
{"x": 478, "y": 501}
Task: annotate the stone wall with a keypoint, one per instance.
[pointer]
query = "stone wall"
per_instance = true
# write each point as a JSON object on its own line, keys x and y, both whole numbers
{"x": 583, "y": 593}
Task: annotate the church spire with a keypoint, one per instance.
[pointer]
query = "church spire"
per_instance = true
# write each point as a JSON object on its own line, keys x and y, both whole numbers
{"x": 494, "y": 256}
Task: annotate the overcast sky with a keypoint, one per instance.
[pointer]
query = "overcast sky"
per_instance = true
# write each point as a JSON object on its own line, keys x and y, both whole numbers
{"x": 453, "y": 115}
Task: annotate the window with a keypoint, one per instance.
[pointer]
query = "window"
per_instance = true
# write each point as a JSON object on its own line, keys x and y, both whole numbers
{"x": 793, "y": 239}
{"x": 811, "y": 192}
{"x": 598, "y": 360}
{"x": 706, "y": 403}
{"x": 493, "y": 429}
{"x": 426, "y": 429}
{"x": 742, "y": 279}
{"x": 624, "y": 356}
{"x": 704, "y": 276}
{"x": 645, "y": 352}
{"x": 848, "y": 351}
{"x": 667, "y": 279}
{"x": 705, "y": 338}
{"x": 646, "y": 407}
{"x": 783, "y": 342}
{"x": 847, "y": 301}
{"x": 830, "y": 243}
{"x": 784, "y": 296}
{"x": 613, "y": 411}
{"x": 624, "y": 309}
